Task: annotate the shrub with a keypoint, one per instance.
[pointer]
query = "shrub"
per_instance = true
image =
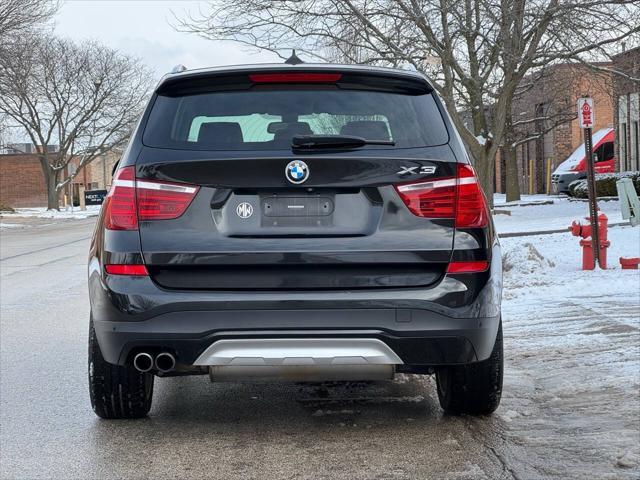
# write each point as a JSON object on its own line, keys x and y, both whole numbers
{"x": 6, "y": 208}
{"x": 605, "y": 184}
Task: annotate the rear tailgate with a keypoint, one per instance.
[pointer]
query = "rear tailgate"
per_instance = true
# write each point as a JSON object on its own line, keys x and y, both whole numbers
{"x": 328, "y": 220}
{"x": 249, "y": 228}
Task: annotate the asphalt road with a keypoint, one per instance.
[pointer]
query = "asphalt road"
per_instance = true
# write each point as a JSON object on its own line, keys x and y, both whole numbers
{"x": 200, "y": 430}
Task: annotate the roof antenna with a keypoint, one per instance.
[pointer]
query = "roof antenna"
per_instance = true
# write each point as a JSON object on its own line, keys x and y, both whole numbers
{"x": 294, "y": 59}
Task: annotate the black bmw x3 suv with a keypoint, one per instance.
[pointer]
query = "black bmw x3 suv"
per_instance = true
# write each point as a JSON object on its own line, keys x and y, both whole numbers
{"x": 297, "y": 222}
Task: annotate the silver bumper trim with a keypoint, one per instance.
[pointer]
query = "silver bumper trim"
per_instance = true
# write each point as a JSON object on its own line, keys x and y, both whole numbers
{"x": 298, "y": 352}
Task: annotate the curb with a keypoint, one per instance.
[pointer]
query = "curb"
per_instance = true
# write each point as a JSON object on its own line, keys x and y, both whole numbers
{"x": 548, "y": 232}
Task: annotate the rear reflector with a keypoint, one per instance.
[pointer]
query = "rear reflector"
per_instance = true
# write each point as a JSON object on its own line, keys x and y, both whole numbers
{"x": 467, "y": 267}
{"x": 135, "y": 270}
{"x": 131, "y": 200}
{"x": 295, "y": 77}
{"x": 459, "y": 198}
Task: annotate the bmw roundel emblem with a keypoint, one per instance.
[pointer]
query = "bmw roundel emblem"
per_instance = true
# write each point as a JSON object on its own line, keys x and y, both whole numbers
{"x": 297, "y": 171}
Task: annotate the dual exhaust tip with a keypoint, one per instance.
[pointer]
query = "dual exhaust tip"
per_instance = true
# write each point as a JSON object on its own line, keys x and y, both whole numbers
{"x": 164, "y": 362}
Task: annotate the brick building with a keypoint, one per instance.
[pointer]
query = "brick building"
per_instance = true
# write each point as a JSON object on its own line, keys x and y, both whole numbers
{"x": 547, "y": 131}
{"x": 626, "y": 93}
{"x": 97, "y": 175}
{"x": 22, "y": 181}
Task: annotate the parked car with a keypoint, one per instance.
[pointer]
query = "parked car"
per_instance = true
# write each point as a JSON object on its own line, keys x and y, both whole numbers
{"x": 294, "y": 222}
{"x": 575, "y": 166}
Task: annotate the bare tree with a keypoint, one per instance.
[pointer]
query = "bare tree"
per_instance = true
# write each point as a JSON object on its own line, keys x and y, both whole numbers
{"x": 74, "y": 102}
{"x": 485, "y": 47}
{"x": 19, "y": 16}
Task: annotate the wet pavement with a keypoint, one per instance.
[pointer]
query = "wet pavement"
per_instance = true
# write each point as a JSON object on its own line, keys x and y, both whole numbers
{"x": 570, "y": 405}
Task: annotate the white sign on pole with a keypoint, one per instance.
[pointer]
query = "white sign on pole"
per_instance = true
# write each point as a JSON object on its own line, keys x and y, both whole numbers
{"x": 586, "y": 116}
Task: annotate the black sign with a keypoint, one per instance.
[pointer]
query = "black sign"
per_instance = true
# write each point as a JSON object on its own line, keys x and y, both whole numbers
{"x": 94, "y": 197}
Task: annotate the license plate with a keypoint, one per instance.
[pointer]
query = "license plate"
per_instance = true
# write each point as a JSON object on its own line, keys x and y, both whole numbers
{"x": 277, "y": 206}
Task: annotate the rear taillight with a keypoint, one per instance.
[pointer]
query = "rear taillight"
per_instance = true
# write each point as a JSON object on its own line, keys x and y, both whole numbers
{"x": 432, "y": 199}
{"x": 120, "y": 204}
{"x": 131, "y": 200}
{"x": 459, "y": 198}
{"x": 471, "y": 207}
{"x": 161, "y": 200}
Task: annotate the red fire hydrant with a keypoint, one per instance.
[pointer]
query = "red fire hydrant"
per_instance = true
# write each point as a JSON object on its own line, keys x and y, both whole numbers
{"x": 584, "y": 231}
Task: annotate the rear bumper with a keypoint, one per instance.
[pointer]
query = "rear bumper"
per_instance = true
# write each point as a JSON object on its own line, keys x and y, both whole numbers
{"x": 418, "y": 337}
{"x": 452, "y": 322}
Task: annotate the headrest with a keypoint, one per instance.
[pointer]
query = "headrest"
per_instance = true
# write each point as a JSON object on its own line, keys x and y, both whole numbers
{"x": 291, "y": 129}
{"x": 220, "y": 134}
{"x": 369, "y": 129}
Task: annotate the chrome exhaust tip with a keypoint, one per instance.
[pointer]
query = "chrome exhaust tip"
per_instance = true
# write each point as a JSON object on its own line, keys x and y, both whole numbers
{"x": 165, "y": 362}
{"x": 143, "y": 362}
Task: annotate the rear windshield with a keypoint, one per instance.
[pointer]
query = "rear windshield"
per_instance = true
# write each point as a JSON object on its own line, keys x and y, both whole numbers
{"x": 267, "y": 119}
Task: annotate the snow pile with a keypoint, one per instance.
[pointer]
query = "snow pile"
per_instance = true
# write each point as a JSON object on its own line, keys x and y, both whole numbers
{"x": 91, "y": 211}
{"x": 524, "y": 267}
{"x": 525, "y": 260}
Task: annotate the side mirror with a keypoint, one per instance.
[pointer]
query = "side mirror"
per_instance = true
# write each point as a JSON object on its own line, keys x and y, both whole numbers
{"x": 595, "y": 158}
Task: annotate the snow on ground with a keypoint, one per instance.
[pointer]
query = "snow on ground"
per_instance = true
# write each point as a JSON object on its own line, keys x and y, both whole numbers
{"x": 526, "y": 217}
{"x": 91, "y": 211}
{"x": 552, "y": 264}
{"x": 572, "y": 353}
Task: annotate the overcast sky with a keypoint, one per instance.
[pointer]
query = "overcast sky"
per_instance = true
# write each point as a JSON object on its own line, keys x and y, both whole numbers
{"x": 141, "y": 28}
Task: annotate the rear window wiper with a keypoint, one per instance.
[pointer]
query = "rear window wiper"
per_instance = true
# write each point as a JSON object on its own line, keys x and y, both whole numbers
{"x": 334, "y": 141}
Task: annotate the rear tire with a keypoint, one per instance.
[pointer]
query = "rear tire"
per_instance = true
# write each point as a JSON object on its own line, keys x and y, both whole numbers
{"x": 116, "y": 391}
{"x": 475, "y": 388}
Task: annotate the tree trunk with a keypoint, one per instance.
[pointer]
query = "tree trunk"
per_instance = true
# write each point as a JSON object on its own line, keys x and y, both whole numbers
{"x": 485, "y": 168}
{"x": 510, "y": 159}
{"x": 51, "y": 180}
{"x": 512, "y": 175}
